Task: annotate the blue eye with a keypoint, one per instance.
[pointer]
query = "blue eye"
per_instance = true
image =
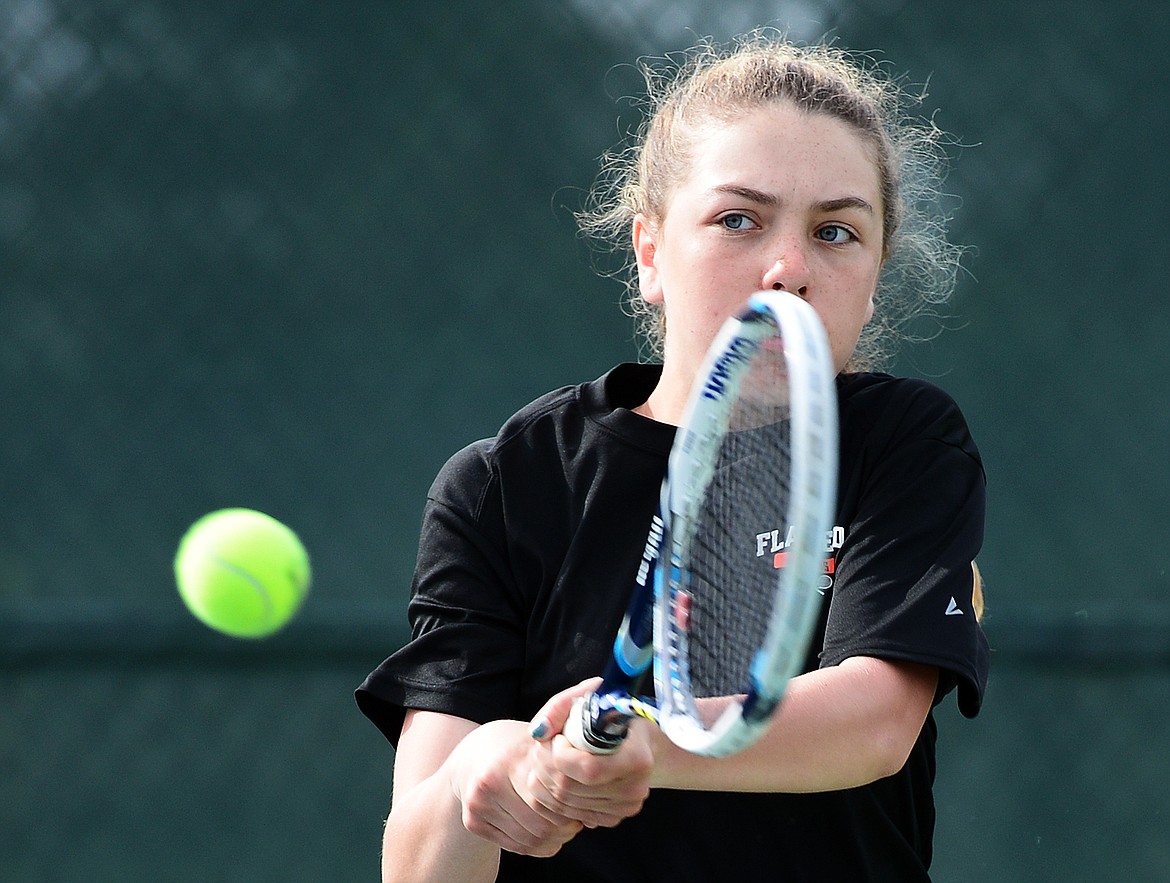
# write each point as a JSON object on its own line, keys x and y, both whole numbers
{"x": 735, "y": 221}
{"x": 834, "y": 233}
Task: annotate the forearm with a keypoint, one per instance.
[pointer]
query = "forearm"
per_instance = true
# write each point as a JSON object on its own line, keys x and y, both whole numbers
{"x": 425, "y": 839}
{"x": 461, "y": 795}
{"x": 837, "y": 728}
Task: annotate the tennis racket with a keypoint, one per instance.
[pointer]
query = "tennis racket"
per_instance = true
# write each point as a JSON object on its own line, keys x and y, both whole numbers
{"x": 727, "y": 591}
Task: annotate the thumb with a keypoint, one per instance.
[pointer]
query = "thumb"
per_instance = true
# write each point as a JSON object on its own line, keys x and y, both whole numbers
{"x": 551, "y": 718}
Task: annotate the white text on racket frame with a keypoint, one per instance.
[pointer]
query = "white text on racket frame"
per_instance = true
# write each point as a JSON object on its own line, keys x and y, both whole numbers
{"x": 739, "y": 350}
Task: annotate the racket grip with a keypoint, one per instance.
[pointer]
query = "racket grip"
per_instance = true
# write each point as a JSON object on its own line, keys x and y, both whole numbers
{"x": 582, "y": 732}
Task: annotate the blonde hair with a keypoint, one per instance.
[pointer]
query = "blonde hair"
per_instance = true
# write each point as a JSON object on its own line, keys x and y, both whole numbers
{"x": 715, "y": 83}
{"x": 977, "y": 591}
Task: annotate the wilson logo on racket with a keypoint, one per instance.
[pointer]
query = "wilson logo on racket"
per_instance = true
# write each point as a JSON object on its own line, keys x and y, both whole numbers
{"x": 739, "y": 350}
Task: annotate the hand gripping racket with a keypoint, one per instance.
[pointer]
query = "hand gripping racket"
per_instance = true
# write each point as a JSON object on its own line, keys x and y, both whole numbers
{"x": 726, "y": 596}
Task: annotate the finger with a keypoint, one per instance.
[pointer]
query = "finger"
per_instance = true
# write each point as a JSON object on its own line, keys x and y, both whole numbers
{"x": 596, "y": 813}
{"x": 551, "y": 718}
{"x": 632, "y": 764}
{"x": 518, "y": 828}
{"x": 519, "y": 840}
{"x": 553, "y": 794}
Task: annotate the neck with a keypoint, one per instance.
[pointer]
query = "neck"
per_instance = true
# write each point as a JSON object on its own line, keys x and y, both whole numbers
{"x": 666, "y": 402}
{"x": 668, "y": 399}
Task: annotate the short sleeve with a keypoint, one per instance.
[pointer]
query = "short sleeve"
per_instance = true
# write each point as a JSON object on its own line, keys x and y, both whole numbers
{"x": 903, "y": 578}
{"x": 466, "y": 649}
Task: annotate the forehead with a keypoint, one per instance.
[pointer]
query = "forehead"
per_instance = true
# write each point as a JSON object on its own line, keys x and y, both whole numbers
{"x": 781, "y": 148}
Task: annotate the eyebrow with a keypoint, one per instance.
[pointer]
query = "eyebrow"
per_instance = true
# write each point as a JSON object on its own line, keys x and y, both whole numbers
{"x": 770, "y": 199}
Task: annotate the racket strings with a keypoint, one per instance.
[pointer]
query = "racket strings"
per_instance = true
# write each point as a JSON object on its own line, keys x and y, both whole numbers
{"x": 738, "y": 545}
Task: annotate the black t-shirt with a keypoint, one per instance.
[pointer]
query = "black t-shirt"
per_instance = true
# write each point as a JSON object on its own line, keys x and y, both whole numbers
{"x": 529, "y": 546}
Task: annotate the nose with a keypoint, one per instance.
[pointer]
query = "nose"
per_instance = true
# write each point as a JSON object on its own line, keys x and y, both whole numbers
{"x": 789, "y": 272}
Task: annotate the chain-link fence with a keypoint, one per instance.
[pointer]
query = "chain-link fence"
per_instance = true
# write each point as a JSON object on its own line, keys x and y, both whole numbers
{"x": 292, "y": 255}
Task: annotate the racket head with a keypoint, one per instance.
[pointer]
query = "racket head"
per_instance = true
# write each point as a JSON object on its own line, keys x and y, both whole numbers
{"x": 747, "y": 509}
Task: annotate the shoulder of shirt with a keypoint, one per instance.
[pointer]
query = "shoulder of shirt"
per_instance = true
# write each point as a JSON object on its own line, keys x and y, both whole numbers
{"x": 567, "y": 410}
{"x": 880, "y": 409}
{"x": 473, "y": 464}
{"x": 552, "y": 425}
{"x": 894, "y": 395}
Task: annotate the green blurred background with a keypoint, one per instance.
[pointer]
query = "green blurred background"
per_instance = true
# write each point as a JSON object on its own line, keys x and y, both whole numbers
{"x": 291, "y": 255}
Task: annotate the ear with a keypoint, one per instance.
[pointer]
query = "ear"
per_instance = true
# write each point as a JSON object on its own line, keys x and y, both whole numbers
{"x": 645, "y": 242}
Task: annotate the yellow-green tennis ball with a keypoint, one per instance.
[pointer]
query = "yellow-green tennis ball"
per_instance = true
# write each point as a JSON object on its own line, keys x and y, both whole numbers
{"x": 242, "y": 572}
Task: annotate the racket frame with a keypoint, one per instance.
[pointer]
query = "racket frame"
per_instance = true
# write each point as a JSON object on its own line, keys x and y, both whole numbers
{"x": 650, "y": 633}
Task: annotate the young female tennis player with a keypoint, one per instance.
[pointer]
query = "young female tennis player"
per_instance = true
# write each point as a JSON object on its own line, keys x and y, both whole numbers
{"x": 762, "y": 166}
